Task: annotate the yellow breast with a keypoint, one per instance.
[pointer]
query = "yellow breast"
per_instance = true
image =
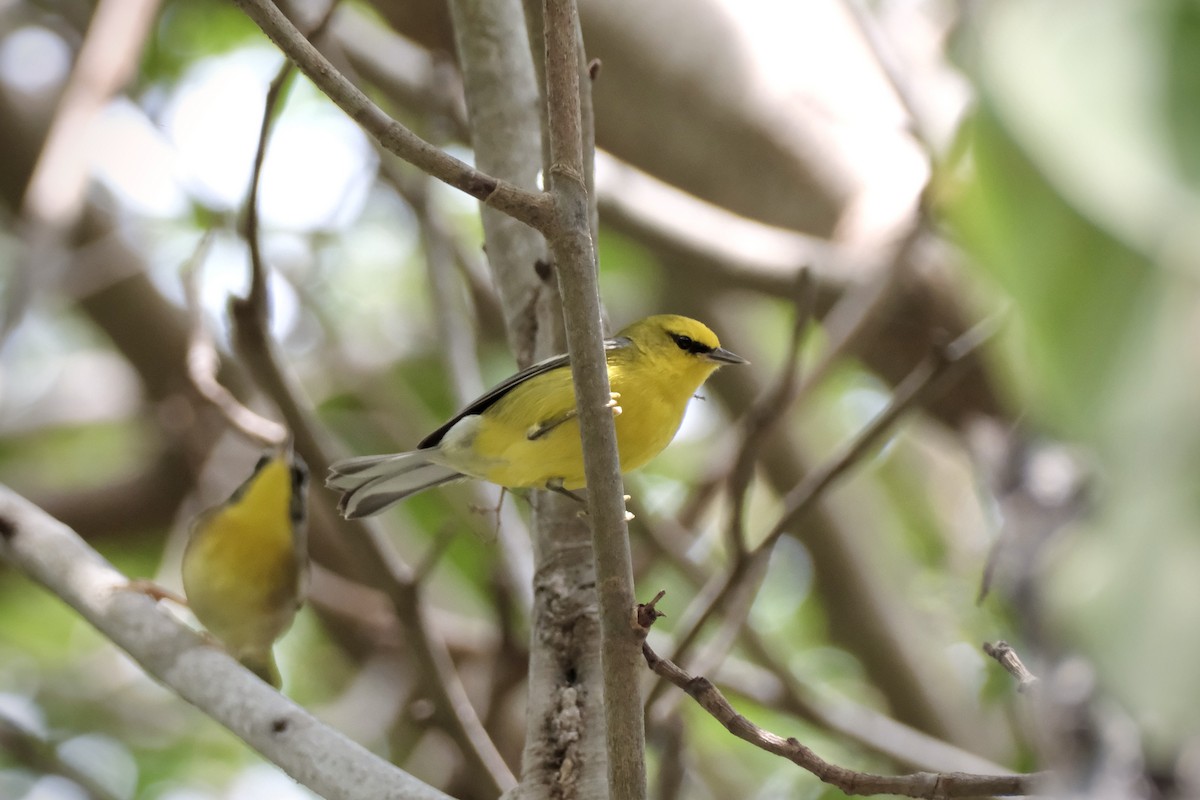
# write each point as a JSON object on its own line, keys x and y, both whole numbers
{"x": 241, "y": 570}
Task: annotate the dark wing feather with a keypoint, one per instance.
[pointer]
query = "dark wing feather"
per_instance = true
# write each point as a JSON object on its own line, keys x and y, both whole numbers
{"x": 489, "y": 398}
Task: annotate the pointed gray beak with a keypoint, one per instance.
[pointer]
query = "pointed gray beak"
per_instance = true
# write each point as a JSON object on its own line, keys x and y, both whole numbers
{"x": 723, "y": 356}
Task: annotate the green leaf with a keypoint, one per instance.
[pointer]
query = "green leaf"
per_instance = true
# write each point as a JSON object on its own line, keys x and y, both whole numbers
{"x": 1077, "y": 290}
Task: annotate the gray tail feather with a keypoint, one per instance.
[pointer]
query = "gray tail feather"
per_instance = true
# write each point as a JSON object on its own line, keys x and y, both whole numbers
{"x": 372, "y": 484}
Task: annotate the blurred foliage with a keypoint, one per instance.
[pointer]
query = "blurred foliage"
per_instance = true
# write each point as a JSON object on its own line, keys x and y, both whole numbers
{"x": 191, "y": 29}
{"x": 1090, "y": 229}
{"x": 1078, "y": 292}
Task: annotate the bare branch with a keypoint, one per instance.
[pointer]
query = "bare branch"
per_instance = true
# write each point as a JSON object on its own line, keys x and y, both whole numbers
{"x": 369, "y": 552}
{"x": 203, "y": 362}
{"x": 762, "y": 417}
{"x": 31, "y": 750}
{"x": 575, "y": 256}
{"x": 927, "y": 376}
{"x": 528, "y": 207}
{"x": 918, "y": 784}
{"x": 860, "y": 724}
{"x": 1004, "y": 653}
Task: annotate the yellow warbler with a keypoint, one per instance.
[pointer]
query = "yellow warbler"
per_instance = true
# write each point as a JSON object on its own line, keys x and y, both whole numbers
{"x": 245, "y": 565}
{"x": 524, "y": 433}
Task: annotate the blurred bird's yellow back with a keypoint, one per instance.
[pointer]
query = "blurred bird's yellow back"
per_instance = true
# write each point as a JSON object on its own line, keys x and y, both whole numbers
{"x": 245, "y": 563}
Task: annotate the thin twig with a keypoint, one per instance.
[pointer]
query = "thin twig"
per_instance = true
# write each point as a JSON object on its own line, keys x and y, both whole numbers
{"x": 927, "y": 376}
{"x": 203, "y": 361}
{"x": 919, "y": 784}
{"x": 575, "y": 257}
{"x": 368, "y": 550}
{"x": 765, "y": 414}
{"x": 276, "y": 90}
{"x": 1007, "y": 657}
{"x": 531, "y": 208}
{"x": 720, "y": 593}
{"x": 856, "y": 314}
{"x": 859, "y": 724}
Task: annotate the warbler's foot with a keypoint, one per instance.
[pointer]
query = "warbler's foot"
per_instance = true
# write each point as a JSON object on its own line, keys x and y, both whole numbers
{"x": 614, "y": 399}
{"x": 151, "y": 589}
{"x": 629, "y": 515}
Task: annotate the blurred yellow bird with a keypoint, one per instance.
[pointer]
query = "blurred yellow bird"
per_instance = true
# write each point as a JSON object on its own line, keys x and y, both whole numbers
{"x": 245, "y": 566}
{"x": 524, "y": 432}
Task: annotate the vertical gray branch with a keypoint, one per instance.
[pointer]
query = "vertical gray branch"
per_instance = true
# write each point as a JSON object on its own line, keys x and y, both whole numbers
{"x": 564, "y": 753}
{"x": 575, "y": 257}
{"x": 502, "y": 102}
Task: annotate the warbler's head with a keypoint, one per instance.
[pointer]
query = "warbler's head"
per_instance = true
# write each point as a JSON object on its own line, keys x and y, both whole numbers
{"x": 680, "y": 342}
{"x": 279, "y": 481}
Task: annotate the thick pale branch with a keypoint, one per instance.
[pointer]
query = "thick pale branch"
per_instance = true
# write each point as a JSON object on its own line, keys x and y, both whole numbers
{"x": 531, "y": 208}
{"x": 314, "y": 754}
{"x": 564, "y": 752}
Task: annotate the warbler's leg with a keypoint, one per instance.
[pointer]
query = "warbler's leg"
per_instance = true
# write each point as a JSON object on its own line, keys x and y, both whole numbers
{"x": 556, "y": 485}
{"x": 545, "y": 426}
{"x": 493, "y": 511}
{"x": 151, "y": 589}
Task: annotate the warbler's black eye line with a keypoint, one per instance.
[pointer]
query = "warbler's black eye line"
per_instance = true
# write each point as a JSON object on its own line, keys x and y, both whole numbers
{"x": 690, "y": 345}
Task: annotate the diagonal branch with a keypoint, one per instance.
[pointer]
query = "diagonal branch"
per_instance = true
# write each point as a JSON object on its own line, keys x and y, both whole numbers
{"x": 531, "y": 208}
{"x": 29, "y": 749}
{"x": 925, "y": 378}
{"x": 1004, "y": 653}
{"x": 314, "y": 754}
{"x": 370, "y": 554}
{"x": 917, "y": 784}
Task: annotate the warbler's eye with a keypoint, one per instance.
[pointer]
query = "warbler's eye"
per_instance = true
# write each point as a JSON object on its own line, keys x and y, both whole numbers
{"x": 689, "y": 345}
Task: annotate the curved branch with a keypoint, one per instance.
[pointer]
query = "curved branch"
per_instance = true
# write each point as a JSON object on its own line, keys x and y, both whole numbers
{"x": 925, "y": 378}
{"x": 249, "y": 316}
{"x": 917, "y": 784}
{"x": 531, "y": 208}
